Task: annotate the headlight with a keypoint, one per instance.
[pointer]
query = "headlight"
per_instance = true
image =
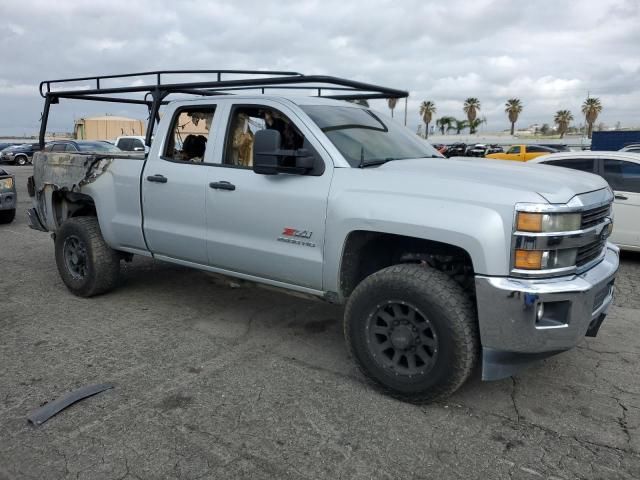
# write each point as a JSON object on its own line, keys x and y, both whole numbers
{"x": 548, "y": 222}
{"x": 6, "y": 184}
{"x": 545, "y": 259}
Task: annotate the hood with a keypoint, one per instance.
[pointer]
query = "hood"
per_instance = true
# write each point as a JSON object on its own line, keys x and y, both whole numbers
{"x": 554, "y": 184}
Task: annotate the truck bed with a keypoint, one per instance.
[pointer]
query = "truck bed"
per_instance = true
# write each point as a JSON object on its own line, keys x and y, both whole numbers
{"x": 111, "y": 180}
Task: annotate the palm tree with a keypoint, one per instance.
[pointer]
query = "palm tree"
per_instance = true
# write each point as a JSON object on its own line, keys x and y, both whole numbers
{"x": 392, "y": 104}
{"x": 513, "y": 108}
{"x": 445, "y": 124}
{"x": 460, "y": 125}
{"x": 563, "y": 118}
{"x": 427, "y": 109}
{"x": 473, "y": 126}
{"x": 591, "y": 108}
{"x": 471, "y": 108}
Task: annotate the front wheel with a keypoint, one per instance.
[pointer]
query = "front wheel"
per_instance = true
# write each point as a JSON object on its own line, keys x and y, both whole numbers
{"x": 412, "y": 331}
{"x": 87, "y": 265}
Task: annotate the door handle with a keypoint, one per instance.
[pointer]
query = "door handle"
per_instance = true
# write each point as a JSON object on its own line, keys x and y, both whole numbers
{"x": 157, "y": 178}
{"x": 222, "y": 185}
{"x": 620, "y": 197}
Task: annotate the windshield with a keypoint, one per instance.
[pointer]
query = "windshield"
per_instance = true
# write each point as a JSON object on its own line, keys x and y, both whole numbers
{"x": 97, "y": 147}
{"x": 363, "y": 138}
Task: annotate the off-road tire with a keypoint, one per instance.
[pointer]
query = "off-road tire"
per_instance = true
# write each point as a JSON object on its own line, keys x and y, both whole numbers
{"x": 21, "y": 160}
{"x": 7, "y": 216}
{"x": 102, "y": 263}
{"x": 447, "y": 307}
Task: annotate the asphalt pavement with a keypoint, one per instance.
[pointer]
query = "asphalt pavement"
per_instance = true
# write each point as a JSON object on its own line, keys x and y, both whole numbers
{"x": 219, "y": 380}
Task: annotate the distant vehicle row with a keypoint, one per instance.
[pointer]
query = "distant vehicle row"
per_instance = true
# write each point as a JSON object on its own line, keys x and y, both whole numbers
{"x": 22, "y": 153}
{"x": 520, "y": 153}
{"x": 19, "y": 154}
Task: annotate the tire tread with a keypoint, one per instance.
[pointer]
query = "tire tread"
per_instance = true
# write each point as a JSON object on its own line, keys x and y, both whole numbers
{"x": 451, "y": 297}
{"x": 105, "y": 260}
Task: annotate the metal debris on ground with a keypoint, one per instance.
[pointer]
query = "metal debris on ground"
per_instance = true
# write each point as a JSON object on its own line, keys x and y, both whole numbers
{"x": 44, "y": 413}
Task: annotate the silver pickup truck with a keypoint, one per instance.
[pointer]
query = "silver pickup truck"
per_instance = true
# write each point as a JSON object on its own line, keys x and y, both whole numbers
{"x": 441, "y": 263}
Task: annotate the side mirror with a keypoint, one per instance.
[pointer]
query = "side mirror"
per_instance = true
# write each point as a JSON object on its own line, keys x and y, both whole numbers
{"x": 266, "y": 144}
{"x": 269, "y": 158}
{"x": 138, "y": 149}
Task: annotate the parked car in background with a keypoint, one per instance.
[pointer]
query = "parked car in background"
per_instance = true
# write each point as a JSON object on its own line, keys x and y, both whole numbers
{"x": 632, "y": 148}
{"x": 622, "y": 171}
{"x": 80, "y": 146}
{"x": 481, "y": 149}
{"x": 478, "y": 150}
{"x": 557, "y": 147}
{"x": 522, "y": 153}
{"x": 4, "y": 145}
{"x": 19, "y": 154}
{"x": 456, "y": 150}
{"x": 8, "y": 197}
{"x": 132, "y": 143}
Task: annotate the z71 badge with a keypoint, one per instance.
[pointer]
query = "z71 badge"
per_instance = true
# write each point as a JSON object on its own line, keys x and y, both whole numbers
{"x": 297, "y": 237}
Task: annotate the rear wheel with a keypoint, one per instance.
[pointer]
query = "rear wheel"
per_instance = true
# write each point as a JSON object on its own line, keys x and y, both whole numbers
{"x": 412, "y": 331}
{"x": 7, "y": 216}
{"x": 87, "y": 265}
{"x": 21, "y": 160}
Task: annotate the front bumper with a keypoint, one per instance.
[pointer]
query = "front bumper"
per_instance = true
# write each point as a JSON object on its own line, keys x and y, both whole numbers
{"x": 525, "y": 319}
{"x": 8, "y": 200}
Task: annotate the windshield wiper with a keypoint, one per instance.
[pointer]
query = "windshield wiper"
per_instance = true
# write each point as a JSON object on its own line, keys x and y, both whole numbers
{"x": 374, "y": 162}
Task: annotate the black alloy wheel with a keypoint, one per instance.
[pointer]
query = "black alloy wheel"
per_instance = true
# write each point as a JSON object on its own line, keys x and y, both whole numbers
{"x": 402, "y": 339}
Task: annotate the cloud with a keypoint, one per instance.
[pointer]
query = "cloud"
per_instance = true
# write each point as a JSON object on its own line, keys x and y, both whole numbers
{"x": 549, "y": 53}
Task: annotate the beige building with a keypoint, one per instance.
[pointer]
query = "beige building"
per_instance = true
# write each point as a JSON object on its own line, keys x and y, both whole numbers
{"x": 108, "y": 127}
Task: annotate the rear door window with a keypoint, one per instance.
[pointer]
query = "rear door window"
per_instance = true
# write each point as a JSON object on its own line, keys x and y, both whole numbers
{"x": 189, "y": 134}
{"x": 622, "y": 176}
{"x": 58, "y": 147}
{"x": 125, "y": 144}
{"x": 514, "y": 150}
{"x": 582, "y": 164}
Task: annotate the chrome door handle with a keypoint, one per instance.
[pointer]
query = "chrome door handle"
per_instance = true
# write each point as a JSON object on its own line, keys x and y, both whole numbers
{"x": 223, "y": 185}
{"x": 620, "y": 197}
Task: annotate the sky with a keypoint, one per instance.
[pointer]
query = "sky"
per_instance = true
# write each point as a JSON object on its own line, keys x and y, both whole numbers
{"x": 550, "y": 54}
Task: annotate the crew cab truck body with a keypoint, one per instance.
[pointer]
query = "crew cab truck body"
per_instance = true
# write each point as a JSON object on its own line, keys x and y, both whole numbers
{"x": 441, "y": 263}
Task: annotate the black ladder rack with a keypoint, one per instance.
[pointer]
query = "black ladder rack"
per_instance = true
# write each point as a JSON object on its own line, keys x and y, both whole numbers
{"x": 155, "y": 92}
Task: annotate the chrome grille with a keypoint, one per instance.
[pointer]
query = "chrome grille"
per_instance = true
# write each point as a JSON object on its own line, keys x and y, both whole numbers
{"x": 589, "y": 252}
{"x": 594, "y": 216}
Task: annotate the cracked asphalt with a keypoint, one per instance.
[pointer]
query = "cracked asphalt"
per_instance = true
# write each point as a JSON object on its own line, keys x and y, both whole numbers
{"x": 215, "y": 380}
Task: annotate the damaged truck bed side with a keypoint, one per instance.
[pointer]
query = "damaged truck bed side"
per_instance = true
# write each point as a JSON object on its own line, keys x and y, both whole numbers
{"x": 441, "y": 263}
{"x": 63, "y": 187}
